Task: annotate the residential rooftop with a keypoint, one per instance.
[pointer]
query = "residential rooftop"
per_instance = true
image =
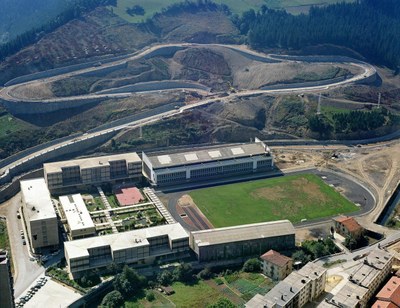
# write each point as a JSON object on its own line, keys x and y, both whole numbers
{"x": 275, "y": 257}
{"x": 349, "y": 295}
{"x": 391, "y": 291}
{"x": 208, "y": 155}
{"x": 243, "y": 232}
{"x": 37, "y": 199}
{"x": 91, "y": 162}
{"x": 349, "y": 222}
{"x": 75, "y": 210}
{"x": 124, "y": 240}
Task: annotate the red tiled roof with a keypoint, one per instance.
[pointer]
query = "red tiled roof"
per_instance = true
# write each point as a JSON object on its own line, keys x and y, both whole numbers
{"x": 275, "y": 258}
{"x": 391, "y": 291}
{"x": 349, "y": 223}
{"x": 383, "y": 304}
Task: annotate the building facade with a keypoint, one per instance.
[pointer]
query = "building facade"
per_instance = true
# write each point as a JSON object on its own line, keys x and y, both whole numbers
{"x": 6, "y": 282}
{"x": 296, "y": 290}
{"x": 141, "y": 246}
{"x": 241, "y": 241}
{"x": 201, "y": 165}
{"x": 93, "y": 171}
{"x": 39, "y": 215}
{"x": 275, "y": 265}
{"x": 79, "y": 222}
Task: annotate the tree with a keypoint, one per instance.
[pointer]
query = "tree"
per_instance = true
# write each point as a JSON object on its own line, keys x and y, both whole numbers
{"x": 251, "y": 266}
{"x": 301, "y": 256}
{"x": 113, "y": 299}
{"x": 183, "y": 272}
{"x": 350, "y": 242}
{"x": 150, "y": 296}
{"x": 165, "y": 278}
{"x": 205, "y": 273}
{"x": 128, "y": 282}
{"x": 222, "y": 302}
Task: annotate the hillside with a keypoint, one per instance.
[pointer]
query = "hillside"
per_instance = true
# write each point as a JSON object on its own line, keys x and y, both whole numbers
{"x": 18, "y": 16}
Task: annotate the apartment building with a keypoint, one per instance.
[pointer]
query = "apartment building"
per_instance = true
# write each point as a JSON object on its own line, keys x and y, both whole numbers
{"x": 364, "y": 281}
{"x": 39, "y": 215}
{"x": 275, "y": 265}
{"x": 296, "y": 290}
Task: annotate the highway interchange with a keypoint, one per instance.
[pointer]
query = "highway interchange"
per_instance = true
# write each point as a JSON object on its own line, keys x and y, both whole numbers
{"x": 27, "y": 273}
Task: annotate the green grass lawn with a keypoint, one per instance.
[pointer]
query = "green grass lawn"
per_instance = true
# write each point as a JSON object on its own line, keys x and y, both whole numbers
{"x": 9, "y": 124}
{"x": 248, "y": 284}
{"x": 237, "y": 6}
{"x": 293, "y": 197}
{"x": 197, "y": 295}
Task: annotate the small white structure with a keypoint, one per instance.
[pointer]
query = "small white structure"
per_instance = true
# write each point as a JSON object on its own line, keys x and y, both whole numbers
{"x": 80, "y": 224}
{"x": 39, "y": 214}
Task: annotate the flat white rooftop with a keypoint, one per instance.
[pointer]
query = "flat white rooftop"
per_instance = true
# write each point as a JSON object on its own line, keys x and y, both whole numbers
{"x": 75, "y": 210}
{"x": 124, "y": 240}
{"x": 243, "y": 232}
{"x": 91, "y": 162}
{"x": 37, "y": 199}
{"x": 207, "y": 155}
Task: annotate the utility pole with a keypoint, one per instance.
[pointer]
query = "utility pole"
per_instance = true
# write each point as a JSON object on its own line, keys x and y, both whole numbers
{"x": 319, "y": 104}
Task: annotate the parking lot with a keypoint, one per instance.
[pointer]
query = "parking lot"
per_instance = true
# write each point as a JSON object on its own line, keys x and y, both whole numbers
{"x": 46, "y": 291}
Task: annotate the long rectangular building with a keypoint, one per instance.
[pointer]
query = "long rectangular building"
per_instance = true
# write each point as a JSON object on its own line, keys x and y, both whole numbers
{"x": 206, "y": 164}
{"x": 244, "y": 240}
{"x": 132, "y": 247}
{"x": 79, "y": 222}
{"x": 93, "y": 170}
{"x": 39, "y": 214}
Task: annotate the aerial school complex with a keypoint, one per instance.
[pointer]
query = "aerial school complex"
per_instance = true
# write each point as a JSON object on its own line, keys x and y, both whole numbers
{"x": 86, "y": 221}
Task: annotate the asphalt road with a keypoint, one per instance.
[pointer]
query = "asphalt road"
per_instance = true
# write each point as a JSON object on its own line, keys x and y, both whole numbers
{"x": 25, "y": 270}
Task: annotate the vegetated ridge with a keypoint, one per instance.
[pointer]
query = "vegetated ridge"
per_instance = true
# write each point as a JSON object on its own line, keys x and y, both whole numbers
{"x": 370, "y": 27}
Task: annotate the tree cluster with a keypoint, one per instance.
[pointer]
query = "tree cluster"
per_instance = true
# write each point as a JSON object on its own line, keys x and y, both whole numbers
{"x": 127, "y": 283}
{"x": 183, "y": 273}
{"x": 76, "y": 9}
{"x": 193, "y": 7}
{"x": 311, "y": 250}
{"x": 354, "y": 121}
{"x": 370, "y": 27}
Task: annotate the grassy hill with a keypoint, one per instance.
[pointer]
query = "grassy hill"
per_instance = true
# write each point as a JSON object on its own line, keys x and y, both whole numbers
{"x": 151, "y": 7}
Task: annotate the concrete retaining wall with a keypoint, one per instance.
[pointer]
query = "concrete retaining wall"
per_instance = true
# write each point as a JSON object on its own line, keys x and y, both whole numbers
{"x": 73, "y": 147}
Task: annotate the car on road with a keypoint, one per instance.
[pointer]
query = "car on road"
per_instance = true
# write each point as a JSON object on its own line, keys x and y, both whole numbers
{"x": 23, "y": 242}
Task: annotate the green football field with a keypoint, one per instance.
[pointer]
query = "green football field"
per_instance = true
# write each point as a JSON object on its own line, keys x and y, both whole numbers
{"x": 294, "y": 197}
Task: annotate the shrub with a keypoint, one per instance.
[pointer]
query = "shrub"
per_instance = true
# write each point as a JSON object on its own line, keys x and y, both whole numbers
{"x": 150, "y": 296}
{"x": 252, "y": 266}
